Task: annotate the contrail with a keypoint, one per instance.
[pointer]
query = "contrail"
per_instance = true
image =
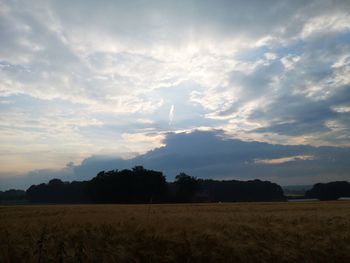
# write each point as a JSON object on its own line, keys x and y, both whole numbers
{"x": 171, "y": 114}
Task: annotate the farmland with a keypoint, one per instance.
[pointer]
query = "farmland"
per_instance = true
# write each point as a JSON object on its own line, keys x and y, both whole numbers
{"x": 225, "y": 232}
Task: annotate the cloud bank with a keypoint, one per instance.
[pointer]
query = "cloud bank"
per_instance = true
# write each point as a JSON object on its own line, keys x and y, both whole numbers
{"x": 211, "y": 154}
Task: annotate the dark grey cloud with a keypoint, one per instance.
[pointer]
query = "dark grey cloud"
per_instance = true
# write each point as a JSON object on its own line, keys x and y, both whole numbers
{"x": 211, "y": 154}
{"x": 297, "y": 116}
{"x": 214, "y": 155}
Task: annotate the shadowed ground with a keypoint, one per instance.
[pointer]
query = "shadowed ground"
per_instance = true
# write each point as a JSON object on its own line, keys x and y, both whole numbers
{"x": 240, "y": 232}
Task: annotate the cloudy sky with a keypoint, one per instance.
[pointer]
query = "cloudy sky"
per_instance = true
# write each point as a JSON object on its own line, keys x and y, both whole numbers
{"x": 117, "y": 82}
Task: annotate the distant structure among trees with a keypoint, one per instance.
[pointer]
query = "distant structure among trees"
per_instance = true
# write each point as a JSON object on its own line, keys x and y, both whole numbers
{"x": 329, "y": 191}
{"x": 140, "y": 185}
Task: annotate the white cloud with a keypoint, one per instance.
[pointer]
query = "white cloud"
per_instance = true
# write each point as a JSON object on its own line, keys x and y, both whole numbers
{"x": 289, "y": 61}
{"x": 141, "y": 142}
{"x": 326, "y": 23}
{"x": 285, "y": 159}
{"x": 270, "y": 56}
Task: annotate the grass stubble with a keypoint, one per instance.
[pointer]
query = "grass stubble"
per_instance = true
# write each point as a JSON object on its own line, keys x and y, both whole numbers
{"x": 227, "y": 232}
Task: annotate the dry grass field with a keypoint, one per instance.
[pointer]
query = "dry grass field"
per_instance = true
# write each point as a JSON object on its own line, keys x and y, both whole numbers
{"x": 242, "y": 232}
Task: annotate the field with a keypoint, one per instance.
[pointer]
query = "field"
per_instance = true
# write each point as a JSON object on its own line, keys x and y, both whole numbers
{"x": 240, "y": 232}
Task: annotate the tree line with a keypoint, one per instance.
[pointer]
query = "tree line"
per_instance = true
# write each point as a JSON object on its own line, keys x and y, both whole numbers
{"x": 329, "y": 191}
{"x": 140, "y": 185}
{"x": 12, "y": 195}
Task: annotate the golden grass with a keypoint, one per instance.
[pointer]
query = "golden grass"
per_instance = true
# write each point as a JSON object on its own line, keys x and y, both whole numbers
{"x": 240, "y": 232}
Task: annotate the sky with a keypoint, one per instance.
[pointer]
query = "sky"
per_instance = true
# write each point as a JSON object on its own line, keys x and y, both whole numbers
{"x": 218, "y": 89}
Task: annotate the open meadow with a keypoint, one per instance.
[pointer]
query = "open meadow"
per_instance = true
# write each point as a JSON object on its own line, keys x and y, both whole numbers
{"x": 226, "y": 232}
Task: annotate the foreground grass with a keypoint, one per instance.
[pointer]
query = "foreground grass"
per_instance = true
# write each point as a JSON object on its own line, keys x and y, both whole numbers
{"x": 247, "y": 232}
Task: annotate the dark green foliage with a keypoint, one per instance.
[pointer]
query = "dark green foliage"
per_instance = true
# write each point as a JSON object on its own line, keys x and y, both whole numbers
{"x": 241, "y": 191}
{"x": 57, "y": 191}
{"x": 138, "y": 185}
{"x": 186, "y": 187}
{"x": 329, "y": 191}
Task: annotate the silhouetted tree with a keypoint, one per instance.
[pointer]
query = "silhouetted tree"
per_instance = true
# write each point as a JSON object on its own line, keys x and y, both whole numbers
{"x": 186, "y": 187}
{"x": 138, "y": 185}
{"x": 329, "y": 191}
{"x": 57, "y": 191}
{"x": 241, "y": 191}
